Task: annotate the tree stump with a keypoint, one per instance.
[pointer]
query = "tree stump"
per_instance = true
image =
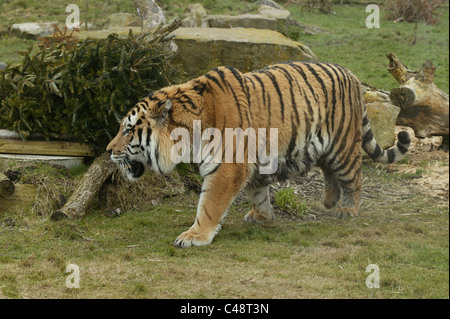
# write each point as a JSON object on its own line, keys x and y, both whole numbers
{"x": 424, "y": 107}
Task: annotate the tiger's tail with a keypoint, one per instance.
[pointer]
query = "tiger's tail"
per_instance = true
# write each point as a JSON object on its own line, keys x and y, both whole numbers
{"x": 371, "y": 147}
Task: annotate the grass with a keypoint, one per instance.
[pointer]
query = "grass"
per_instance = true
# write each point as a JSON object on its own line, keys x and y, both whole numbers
{"x": 10, "y": 46}
{"x": 289, "y": 202}
{"x": 132, "y": 256}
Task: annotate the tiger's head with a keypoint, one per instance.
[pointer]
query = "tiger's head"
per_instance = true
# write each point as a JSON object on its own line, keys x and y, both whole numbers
{"x": 143, "y": 140}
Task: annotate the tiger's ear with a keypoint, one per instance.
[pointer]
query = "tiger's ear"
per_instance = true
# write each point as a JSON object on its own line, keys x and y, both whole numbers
{"x": 164, "y": 111}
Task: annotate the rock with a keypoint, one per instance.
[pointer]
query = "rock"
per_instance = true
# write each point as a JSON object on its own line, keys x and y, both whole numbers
{"x": 270, "y": 3}
{"x": 149, "y": 13}
{"x": 119, "y": 20}
{"x": 267, "y": 18}
{"x": 82, "y": 26}
{"x": 270, "y": 16}
{"x": 282, "y": 18}
{"x": 33, "y": 30}
{"x": 201, "y": 50}
{"x": 382, "y": 117}
{"x": 256, "y": 21}
{"x": 274, "y": 13}
{"x": 3, "y": 66}
{"x": 195, "y": 16}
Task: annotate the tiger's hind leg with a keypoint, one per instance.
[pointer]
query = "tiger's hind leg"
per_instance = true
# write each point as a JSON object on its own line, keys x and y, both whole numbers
{"x": 332, "y": 189}
{"x": 262, "y": 209}
{"x": 349, "y": 176}
{"x": 343, "y": 176}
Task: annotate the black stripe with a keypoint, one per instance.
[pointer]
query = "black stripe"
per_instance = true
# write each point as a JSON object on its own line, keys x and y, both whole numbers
{"x": 212, "y": 78}
{"x": 251, "y": 81}
{"x": 333, "y": 90}
{"x": 350, "y": 168}
{"x": 149, "y": 133}
{"x": 237, "y": 104}
{"x": 290, "y": 81}
{"x": 292, "y": 143}
{"x": 300, "y": 71}
{"x": 221, "y": 75}
{"x": 140, "y": 135}
{"x": 238, "y": 77}
{"x": 377, "y": 152}
{"x": 365, "y": 121}
{"x": 277, "y": 88}
{"x": 341, "y": 91}
{"x": 391, "y": 156}
{"x": 401, "y": 148}
{"x": 350, "y": 181}
{"x": 199, "y": 87}
{"x": 319, "y": 79}
{"x": 368, "y": 137}
{"x": 263, "y": 90}
{"x": 206, "y": 212}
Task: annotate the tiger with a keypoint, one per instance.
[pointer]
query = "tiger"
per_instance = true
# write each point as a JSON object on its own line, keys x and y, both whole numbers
{"x": 317, "y": 107}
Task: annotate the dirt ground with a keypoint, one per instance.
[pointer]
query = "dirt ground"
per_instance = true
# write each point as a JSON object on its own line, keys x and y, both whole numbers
{"x": 425, "y": 152}
{"x": 426, "y": 165}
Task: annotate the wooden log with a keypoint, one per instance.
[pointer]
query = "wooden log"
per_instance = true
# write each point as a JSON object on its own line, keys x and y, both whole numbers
{"x": 12, "y": 146}
{"x": 6, "y": 186}
{"x": 87, "y": 189}
{"x": 424, "y": 107}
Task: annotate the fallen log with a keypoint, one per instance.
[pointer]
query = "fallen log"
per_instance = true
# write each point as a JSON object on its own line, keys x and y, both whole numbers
{"x": 87, "y": 189}
{"x": 7, "y": 187}
{"x": 424, "y": 107}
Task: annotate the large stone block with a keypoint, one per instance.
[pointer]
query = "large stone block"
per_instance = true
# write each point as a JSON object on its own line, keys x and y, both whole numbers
{"x": 256, "y": 21}
{"x": 33, "y": 30}
{"x": 202, "y": 49}
{"x": 382, "y": 117}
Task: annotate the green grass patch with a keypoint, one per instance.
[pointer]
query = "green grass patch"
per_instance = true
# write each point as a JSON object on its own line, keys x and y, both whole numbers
{"x": 291, "y": 203}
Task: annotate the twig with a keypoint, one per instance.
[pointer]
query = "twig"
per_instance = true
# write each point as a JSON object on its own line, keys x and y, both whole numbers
{"x": 9, "y": 228}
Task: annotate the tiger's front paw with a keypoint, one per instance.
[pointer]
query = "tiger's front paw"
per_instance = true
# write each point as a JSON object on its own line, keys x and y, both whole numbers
{"x": 191, "y": 238}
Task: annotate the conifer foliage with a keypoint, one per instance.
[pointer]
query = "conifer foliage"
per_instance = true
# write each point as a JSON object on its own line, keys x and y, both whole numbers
{"x": 82, "y": 88}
